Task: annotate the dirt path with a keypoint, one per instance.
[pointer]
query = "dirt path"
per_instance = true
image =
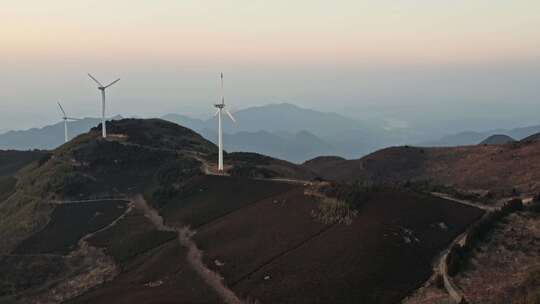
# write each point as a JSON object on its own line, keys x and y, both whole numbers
{"x": 97, "y": 200}
{"x": 112, "y": 224}
{"x": 194, "y": 255}
{"x": 440, "y": 266}
{"x": 464, "y": 202}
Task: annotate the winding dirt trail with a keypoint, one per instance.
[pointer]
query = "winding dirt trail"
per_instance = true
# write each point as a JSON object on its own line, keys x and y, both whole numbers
{"x": 464, "y": 202}
{"x": 439, "y": 266}
{"x": 194, "y": 255}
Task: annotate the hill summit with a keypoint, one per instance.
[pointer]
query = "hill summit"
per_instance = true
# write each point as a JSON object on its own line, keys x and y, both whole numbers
{"x": 497, "y": 139}
{"x": 150, "y": 156}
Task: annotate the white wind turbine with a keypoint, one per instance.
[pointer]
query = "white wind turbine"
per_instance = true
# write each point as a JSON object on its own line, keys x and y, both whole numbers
{"x": 65, "y": 118}
{"x": 220, "y": 108}
{"x": 102, "y": 89}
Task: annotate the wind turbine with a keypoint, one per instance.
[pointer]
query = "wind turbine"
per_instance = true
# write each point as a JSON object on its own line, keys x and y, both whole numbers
{"x": 102, "y": 89}
{"x": 66, "y": 119}
{"x": 220, "y": 108}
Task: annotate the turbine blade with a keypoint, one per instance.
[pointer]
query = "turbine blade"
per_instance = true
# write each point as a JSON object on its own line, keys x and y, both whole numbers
{"x": 94, "y": 79}
{"x": 217, "y": 112}
{"x": 222, "y": 92}
{"x": 110, "y": 84}
{"x": 62, "y": 109}
{"x": 230, "y": 115}
{"x": 73, "y": 118}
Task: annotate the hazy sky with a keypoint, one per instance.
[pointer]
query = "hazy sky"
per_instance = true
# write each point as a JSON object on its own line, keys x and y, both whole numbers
{"x": 399, "y": 59}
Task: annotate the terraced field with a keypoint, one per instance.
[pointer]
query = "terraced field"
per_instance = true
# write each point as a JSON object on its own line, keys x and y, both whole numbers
{"x": 25, "y": 272}
{"x": 68, "y": 224}
{"x": 262, "y": 237}
{"x": 211, "y": 197}
{"x": 274, "y": 252}
{"x": 131, "y": 236}
{"x": 161, "y": 275}
{"x": 244, "y": 241}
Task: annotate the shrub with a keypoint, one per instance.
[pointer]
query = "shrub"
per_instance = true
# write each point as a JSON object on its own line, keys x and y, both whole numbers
{"x": 333, "y": 211}
{"x": 163, "y": 194}
{"x": 178, "y": 170}
{"x": 247, "y": 170}
{"x": 70, "y": 183}
{"x": 355, "y": 195}
{"x": 534, "y": 206}
{"x": 43, "y": 159}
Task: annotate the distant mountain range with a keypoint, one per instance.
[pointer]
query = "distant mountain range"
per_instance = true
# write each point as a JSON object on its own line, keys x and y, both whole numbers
{"x": 295, "y": 147}
{"x": 284, "y": 131}
{"x": 473, "y": 138}
{"x": 48, "y": 137}
{"x": 293, "y": 133}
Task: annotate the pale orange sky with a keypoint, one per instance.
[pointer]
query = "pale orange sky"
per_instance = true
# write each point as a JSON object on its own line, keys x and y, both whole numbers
{"x": 277, "y": 31}
{"x": 330, "y": 55}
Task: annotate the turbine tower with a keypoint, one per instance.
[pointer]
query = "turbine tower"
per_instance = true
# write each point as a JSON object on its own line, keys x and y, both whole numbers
{"x": 102, "y": 89}
{"x": 66, "y": 119}
{"x": 220, "y": 108}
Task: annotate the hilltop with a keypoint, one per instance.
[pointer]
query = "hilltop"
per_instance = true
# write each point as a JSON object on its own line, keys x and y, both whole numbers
{"x": 497, "y": 139}
{"x": 139, "y": 156}
{"x": 507, "y": 169}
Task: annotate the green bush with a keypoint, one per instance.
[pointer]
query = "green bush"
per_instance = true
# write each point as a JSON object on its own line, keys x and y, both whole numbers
{"x": 70, "y": 183}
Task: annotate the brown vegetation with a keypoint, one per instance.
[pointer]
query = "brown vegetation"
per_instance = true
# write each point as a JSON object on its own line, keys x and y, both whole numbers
{"x": 507, "y": 264}
{"x": 501, "y": 168}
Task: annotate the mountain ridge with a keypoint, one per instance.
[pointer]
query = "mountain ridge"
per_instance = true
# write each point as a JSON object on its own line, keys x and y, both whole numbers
{"x": 506, "y": 168}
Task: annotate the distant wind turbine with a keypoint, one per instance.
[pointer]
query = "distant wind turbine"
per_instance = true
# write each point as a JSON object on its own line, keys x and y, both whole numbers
{"x": 220, "y": 108}
{"x": 65, "y": 118}
{"x": 102, "y": 89}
